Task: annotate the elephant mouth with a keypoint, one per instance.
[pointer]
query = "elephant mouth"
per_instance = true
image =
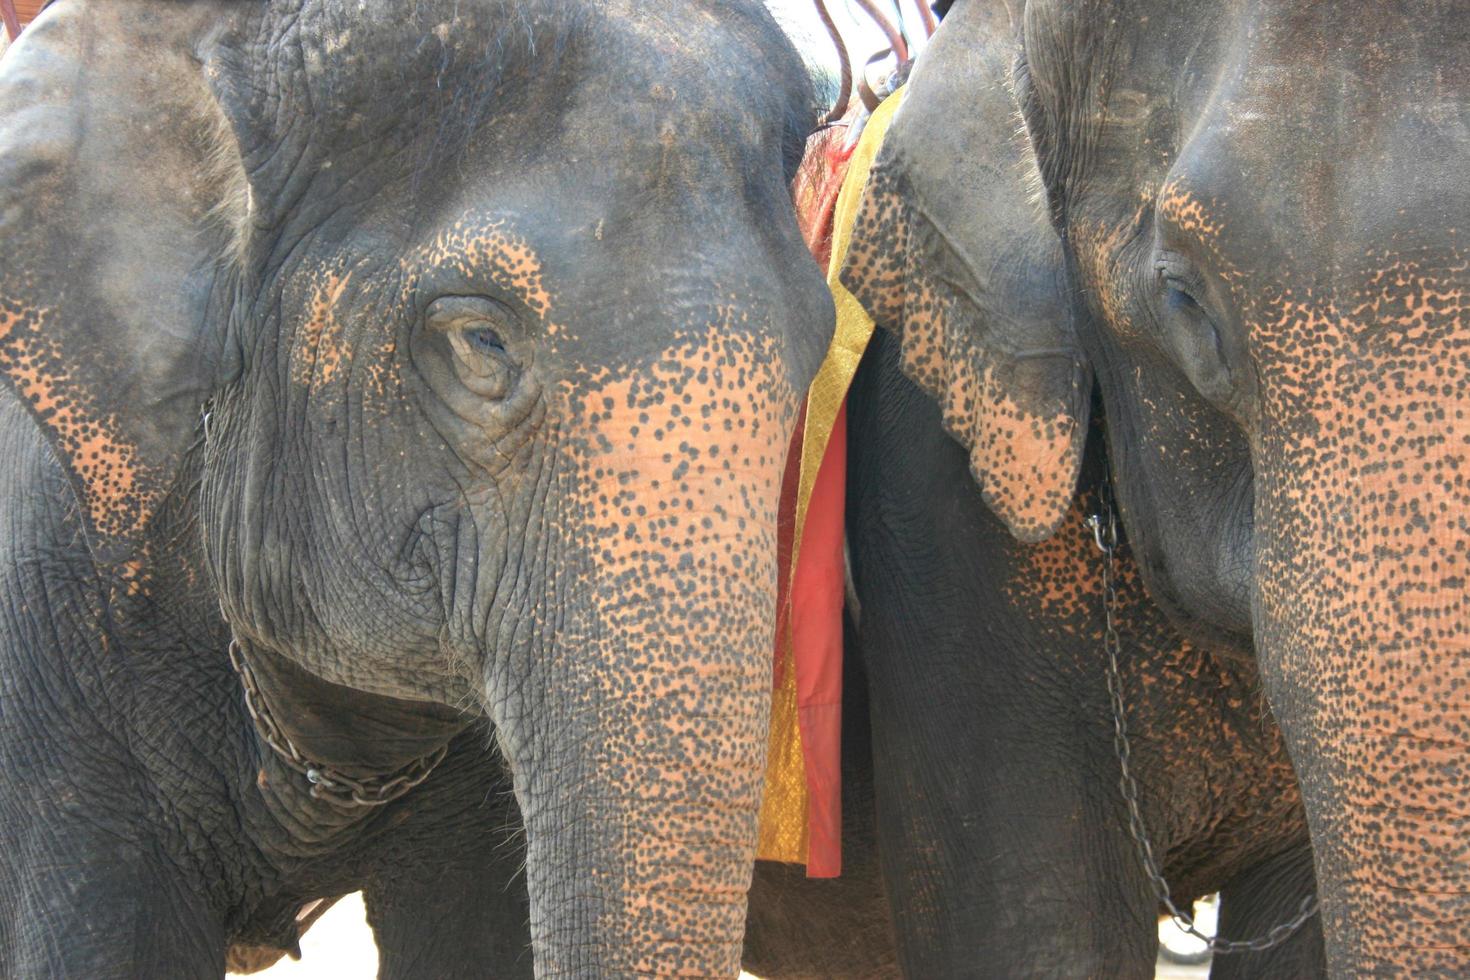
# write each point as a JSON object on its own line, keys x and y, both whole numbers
{"x": 327, "y": 783}
{"x": 314, "y": 729}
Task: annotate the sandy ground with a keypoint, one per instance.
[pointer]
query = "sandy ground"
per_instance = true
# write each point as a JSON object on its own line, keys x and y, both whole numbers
{"x": 340, "y": 947}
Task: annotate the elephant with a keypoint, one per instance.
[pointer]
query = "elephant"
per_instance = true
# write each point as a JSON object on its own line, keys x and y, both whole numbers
{"x": 984, "y": 830}
{"x": 397, "y": 397}
{"x": 1231, "y": 234}
{"x": 1003, "y": 836}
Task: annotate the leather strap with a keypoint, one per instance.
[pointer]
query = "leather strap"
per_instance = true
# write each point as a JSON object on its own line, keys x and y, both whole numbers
{"x": 12, "y": 19}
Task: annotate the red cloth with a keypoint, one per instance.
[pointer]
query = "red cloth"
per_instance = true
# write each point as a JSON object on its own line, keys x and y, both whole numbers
{"x": 817, "y": 592}
{"x": 810, "y": 596}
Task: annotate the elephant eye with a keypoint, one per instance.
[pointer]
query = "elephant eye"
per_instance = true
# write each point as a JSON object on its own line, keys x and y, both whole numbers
{"x": 1181, "y": 301}
{"x": 473, "y": 331}
{"x": 1181, "y": 281}
{"x": 1182, "y": 287}
{"x": 485, "y": 339}
{"x": 1189, "y": 332}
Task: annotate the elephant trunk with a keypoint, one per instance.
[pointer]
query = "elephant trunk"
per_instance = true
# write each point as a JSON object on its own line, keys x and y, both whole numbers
{"x": 647, "y": 881}
{"x": 1363, "y": 628}
{"x": 640, "y": 772}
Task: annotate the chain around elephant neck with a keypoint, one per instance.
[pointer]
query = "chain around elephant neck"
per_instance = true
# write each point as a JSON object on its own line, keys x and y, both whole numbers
{"x": 326, "y": 782}
{"x": 1104, "y": 526}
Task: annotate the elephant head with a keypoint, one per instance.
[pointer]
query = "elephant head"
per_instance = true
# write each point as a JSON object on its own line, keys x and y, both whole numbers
{"x": 497, "y": 314}
{"x": 1246, "y": 222}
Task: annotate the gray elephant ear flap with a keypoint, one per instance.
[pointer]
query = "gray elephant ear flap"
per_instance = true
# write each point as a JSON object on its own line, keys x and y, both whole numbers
{"x": 985, "y": 328}
{"x": 120, "y": 203}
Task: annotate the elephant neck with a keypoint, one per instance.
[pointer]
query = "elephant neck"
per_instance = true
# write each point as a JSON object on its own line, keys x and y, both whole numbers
{"x": 341, "y": 735}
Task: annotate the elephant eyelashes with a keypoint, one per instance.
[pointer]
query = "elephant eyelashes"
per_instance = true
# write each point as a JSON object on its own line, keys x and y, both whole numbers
{"x": 1180, "y": 279}
{"x": 475, "y": 328}
{"x": 1181, "y": 301}
{"x": 1190, "y": 333}
{"x": 485, "y": 340}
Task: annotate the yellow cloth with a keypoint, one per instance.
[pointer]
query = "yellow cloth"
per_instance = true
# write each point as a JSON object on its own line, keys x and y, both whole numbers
{"x": 783, "y": 818}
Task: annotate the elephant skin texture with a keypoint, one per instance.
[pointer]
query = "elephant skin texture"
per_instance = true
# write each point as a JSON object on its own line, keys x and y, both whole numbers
{"x": 984, "y": 832}
{"x": 1242, "y": 224}
{"x": 1002, "y": 832}
{"x": 445, "y": 356}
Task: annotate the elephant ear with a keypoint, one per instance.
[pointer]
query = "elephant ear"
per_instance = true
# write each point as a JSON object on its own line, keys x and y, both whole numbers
{"x": 954, "y": 252}
{"x": 121, "y": 200}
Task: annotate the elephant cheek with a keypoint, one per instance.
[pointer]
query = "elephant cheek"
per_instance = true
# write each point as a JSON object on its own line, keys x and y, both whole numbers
{"x": 1363, "y": 626}
{"x": 642, "y": 792}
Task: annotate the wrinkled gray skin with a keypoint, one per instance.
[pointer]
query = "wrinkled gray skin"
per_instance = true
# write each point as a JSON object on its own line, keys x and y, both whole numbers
{"x": 1242, "y": 225}
{"x": 497, "y": 312}
{"x": 1001, "y": 829}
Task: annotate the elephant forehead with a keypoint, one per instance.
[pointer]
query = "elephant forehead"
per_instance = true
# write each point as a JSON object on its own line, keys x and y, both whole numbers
{"x": 378, "y": 77}
{"x": 1274, "y": 130}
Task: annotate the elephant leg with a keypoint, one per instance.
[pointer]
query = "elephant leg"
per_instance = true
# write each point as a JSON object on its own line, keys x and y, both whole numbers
{"x": 994, "y": 774}
{"x": 80, "y": 900}
{"x": 996, "y": 847}
{"x": 802, "y": 928}
{"x": 469, "y": 919}
{"x": 1268, "y": 894}
{"x": 447, "y": 897}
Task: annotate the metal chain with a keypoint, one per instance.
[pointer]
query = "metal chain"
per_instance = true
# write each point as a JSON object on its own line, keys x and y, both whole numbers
{"x": 327, "y": 783}
{"x": 1104, "y": 526}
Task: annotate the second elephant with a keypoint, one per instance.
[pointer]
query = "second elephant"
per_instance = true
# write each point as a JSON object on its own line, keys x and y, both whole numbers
{"x": 1241, "y": 225}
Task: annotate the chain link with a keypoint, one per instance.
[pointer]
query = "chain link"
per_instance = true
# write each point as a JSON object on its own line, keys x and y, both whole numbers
{"x": 327, "y": 783}
{"x": 1104, "y": 526}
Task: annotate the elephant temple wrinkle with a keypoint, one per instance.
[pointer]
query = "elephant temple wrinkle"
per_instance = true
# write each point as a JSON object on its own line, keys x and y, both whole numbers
{"x": 327, "y": 783}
